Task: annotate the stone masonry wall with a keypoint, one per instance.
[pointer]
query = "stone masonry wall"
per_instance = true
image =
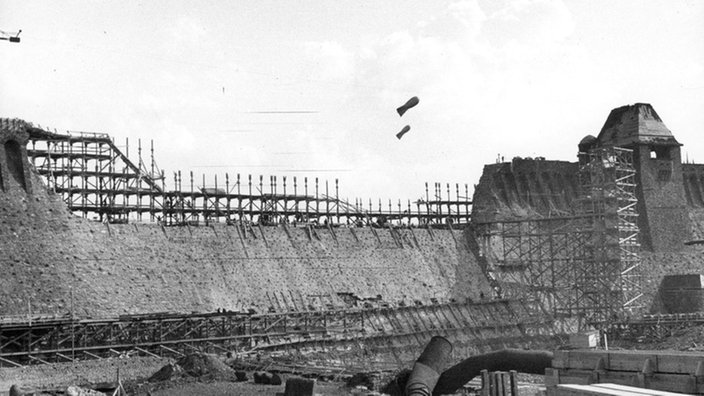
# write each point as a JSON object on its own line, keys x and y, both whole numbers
{"x": 662, "y": 206}
{"x": 525, "y": 188}
{"x": 511, "y": 191}
{"x": 54, "y": 261}
{"x": 689, "y": 259}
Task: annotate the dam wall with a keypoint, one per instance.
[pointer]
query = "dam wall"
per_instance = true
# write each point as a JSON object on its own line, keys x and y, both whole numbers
{"x": 670, "y": 205}
{"x": 60, "y": 263}
{"x": 525, "y": 188}
{"x": 665, "y": 253}
{"x": 688, "y": 259}
{"x": 57, "y": 263}
{"x": 693, "y": 178}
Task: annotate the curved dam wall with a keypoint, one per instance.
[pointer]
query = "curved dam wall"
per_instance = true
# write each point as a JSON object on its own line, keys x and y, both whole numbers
{"x": 54, "y": 262}
{"x": 528, "y": 189}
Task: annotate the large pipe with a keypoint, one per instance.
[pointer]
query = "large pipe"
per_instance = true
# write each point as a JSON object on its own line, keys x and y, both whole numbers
{"x": 529, "y": 362}
{"x": 428, "y": 367}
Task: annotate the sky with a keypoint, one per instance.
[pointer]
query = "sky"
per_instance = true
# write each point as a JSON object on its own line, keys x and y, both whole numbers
{"x": 310, "y": 88}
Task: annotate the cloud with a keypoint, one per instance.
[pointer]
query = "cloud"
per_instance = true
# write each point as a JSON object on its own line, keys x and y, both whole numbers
{"x": 486, "y": 82}
{"x": 186, "y": 30}
{"x": 330, "y": 61}
{"x": 461, "y": 20}
{"x": 530, "y": 22}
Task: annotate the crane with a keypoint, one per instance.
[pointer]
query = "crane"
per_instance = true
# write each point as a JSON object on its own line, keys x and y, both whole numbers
{"x": 11, "y": 37}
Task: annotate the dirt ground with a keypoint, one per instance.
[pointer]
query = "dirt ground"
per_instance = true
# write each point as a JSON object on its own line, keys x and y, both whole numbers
{"x": 226, "y": 388}
{"x": 214, "y": 375}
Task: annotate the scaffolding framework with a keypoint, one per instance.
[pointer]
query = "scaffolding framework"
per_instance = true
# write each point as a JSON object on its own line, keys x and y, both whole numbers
{"x": 534, "y": 259}
{"x": 583, "y": 266}
{"x": 609, "y": 283}
{"x": 58, "y": 339}
{"x": 98, "y": 179}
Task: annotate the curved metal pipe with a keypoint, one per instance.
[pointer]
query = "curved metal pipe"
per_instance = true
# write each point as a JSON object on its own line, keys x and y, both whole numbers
{"x": 523, "y": 361}
{"x": 427, "y": 368}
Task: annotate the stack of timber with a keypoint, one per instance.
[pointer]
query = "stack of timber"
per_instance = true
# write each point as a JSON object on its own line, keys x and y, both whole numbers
{"x": 679, "y": 372}
{"x": 499, "y": 383}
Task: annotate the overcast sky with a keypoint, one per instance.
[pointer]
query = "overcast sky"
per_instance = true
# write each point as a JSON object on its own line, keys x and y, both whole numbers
{"x": 205, "y": 81}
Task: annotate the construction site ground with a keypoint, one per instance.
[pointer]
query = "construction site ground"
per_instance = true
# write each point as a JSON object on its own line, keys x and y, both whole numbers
{"x": 216, "y": 378}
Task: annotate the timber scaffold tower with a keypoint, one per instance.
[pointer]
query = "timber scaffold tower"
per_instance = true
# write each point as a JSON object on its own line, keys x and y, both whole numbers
{"x": 98, "y": 179}
{"x": 584, "y": 265}
{"x": 608, "y": 284}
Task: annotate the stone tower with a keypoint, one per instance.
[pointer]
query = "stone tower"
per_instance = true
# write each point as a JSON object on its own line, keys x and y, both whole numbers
{"x": 662, "y": 207}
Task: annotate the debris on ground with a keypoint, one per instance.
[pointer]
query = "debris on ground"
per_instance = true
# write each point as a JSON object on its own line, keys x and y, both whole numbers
{"x": 198, "y": 365}
{"x": 241, "y": 376}
{"x": 207, "y": 366}
{"x": 79, "y": 391}
{"x": 166, "y": 373}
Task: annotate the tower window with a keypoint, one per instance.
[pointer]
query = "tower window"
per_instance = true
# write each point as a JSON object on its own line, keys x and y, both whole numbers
{"x": 660, "y": 153}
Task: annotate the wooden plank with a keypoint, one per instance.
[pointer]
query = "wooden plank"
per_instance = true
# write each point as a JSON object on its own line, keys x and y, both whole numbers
{"x": 594, "y": 390}
{"x": 61, "y": 355}
{"x": 587, "y": 360}
{"x": 552, "y": 377}
{"x": 146, "y": 352}
{"x": 560, "y": 359}
{"x": 10, "y": 362}
{"x": 663, "y": 362}
{"x": 620, "y": 361}
{"x": 681, "y": 383}
{"x": 513, "y": 378}
{"x": 485, "y": 391}
{"x": 172, "y": 350}
{"x": 588, "y": 390}
{"x": 675, "y": 383}
{"x": 682, "y": 363}
{"x": 643, "y": 391}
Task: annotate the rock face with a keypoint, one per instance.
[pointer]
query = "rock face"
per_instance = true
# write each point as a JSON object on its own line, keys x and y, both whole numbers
{"x": 56, "y": 262}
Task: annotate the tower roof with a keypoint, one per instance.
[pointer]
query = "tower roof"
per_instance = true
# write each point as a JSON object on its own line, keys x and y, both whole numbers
{"x": 635, "y": 124}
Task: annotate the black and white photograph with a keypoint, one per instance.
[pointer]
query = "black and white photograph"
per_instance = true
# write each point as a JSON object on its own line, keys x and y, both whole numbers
{"x": 298, "y": 198}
